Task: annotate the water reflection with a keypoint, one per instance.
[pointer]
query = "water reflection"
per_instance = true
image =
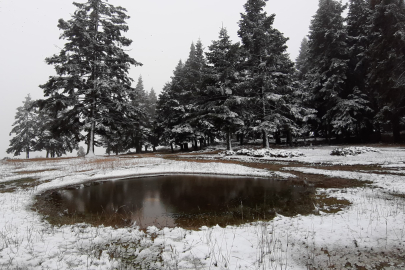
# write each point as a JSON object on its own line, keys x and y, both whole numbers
{"x": 189, "y": 201}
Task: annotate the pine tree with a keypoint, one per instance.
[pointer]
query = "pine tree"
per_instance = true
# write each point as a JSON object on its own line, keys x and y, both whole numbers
{"x": 267, "y": 69}
{"x": 356, "y": 113}
{"x": 358, "y": 37}
{"x": 92, "y": 86}
{"x": 151, "y": 104}
{"x": 171, "y": 109}
{"x": 178, "y": 115}
{"x": 153, "y": 136}
{"x": 47, "y": 139}
{"x": 195, "y": 69}
{"x": 327, "y": 61}
{"x": 220, "y": 103}
{"x": 386, "y": 76}
{"x": 141, "y": 129}
{"x": 301, "y": 63}
{"x": 24, "y": 128}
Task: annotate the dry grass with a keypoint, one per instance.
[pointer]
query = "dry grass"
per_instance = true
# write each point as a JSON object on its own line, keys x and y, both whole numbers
{"x": 32, "y": 172}
{"x": 38, "y": 159}
{"x": 23, "y": 183}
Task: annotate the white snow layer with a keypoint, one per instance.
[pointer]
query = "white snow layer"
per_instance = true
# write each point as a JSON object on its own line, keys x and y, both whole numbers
{"x": 365, "y": 234}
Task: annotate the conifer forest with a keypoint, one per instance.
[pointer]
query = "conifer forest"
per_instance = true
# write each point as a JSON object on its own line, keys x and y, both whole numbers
{"x": 346, "y": 85}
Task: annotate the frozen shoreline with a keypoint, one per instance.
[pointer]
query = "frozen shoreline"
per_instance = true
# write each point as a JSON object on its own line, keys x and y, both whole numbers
{"x": 369, "y": 232}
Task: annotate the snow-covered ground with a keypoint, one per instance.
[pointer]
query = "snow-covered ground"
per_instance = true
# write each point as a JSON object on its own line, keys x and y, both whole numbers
{"x": 369, "y": 233}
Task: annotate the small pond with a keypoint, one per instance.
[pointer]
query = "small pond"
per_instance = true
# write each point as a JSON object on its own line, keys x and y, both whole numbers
{"x": 188, "y": 201}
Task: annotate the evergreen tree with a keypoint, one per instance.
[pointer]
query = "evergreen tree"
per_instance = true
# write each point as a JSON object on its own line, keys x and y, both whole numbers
{"x": 24, "y": 128}
{"x": 195, "y": 70}
{"x": 151, "y": 103}
{"x": 356, "y": 109}
{"x": 267, "y": 69}
{"x": 152, "y": 116}
{"x": 220, "y": 103}
{"x": 141, "y": 129}
{"x": 91, "y": 89}
{"x": 327, "y": 61}
{"x": 163, "y": 115}
{"x": 47, "y": 139}
{"x": 178, "y": 115}
{"x": 358, "y": 37}
{"x": 386, "y": 76}
{"x": 301, "y": 63}
{"x": 173, "y": 107}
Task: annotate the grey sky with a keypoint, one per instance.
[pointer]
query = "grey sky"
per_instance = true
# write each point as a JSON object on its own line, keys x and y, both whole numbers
{"x": 161, "y": 30}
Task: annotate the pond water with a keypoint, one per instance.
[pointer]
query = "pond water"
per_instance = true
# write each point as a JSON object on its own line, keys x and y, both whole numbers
{"x": 188, "y": 201}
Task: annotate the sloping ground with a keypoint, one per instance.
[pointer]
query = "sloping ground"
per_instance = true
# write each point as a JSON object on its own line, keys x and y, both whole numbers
{"x": 359, "y": 223}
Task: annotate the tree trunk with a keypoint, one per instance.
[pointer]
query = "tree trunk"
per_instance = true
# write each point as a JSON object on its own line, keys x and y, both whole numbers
{"x": 171, "y": 147}
{"x": 396, "y": 131}
{"x": 138, "y": 145}
{"x": 186, "y": 147}
{"x": 277, "y": 137}
{"x": 289, "y": 137}
{"x": 27, "y": 154}
{"x": 228, "y": 140}
{"x": 93, "y": 125}
{"x": 241, "y": 138}
{"x": 378, "y": 129}
{"x": 195, "y": 145}
{"x": 328, "y": 134}
{"x": 265, "y": 135}
{"x": 212, "y": 141}
{"x": 201, "y": 142}
{"x": 265, "y": 139}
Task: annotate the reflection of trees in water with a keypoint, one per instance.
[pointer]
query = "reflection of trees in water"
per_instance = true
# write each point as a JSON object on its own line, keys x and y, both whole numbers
{"x": 203, "y": 200}
{"x": 106, "y": 198}
{"x": 191, "y": 200}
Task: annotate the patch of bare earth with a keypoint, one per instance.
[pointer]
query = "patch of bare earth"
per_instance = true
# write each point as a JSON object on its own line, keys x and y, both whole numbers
{"x": 21, "y": 183}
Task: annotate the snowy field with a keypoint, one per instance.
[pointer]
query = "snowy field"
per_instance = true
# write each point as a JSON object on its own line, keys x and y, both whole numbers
{"x": 368, "y": 234}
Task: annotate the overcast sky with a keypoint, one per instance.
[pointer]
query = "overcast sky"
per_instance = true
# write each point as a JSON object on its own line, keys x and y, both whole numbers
{"x": 162, "y": 32}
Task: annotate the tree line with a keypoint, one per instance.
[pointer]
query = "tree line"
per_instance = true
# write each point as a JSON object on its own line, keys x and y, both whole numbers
{"x": 347, "y": 82}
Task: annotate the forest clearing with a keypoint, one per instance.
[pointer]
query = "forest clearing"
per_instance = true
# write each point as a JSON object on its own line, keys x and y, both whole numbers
{"x": 357, "y": 221}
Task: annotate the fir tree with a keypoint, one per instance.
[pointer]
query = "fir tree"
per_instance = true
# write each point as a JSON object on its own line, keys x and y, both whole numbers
{"x": 195, "y": 70}
{"x": 386, "y": 76}
{"x": 171, "y": 108}
{"x": 92, "y": 86}
{"x": 178, "y": 115}
{"x": 267, "y": 69}
{"x": 151, "y": 103}
{"x": 24, "y": 128}
{"x": 359, "y": 100}
{"x": 301, "y": 63}
{"x": 53, "y": 143}
{"x": 141, "y": 127}
{"x": 220, "y": 102}
{"x": 327, "y": 61}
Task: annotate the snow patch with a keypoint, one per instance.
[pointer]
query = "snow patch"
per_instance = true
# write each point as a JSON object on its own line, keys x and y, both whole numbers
{"x": 263, "y": 153}
{"x": 352, "y": 151}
